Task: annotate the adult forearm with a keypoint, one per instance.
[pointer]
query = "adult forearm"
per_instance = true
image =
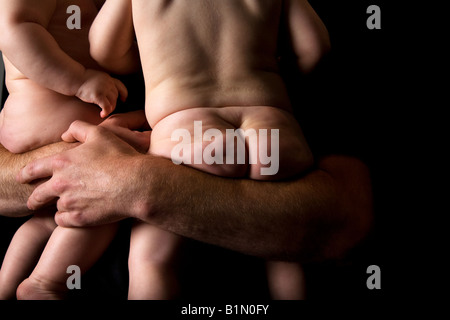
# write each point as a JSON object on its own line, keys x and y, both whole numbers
{"x": 315, "y": 217}
{"x": 14, "y": 196}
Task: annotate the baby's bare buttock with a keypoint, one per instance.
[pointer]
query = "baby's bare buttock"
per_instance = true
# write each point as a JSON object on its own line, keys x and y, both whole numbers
{"x": 209, "y": 53}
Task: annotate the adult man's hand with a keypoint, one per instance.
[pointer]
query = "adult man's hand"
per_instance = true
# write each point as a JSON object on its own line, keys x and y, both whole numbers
{"x": 13, "y": 196}
{"x": 92, "y": 188}
{"x": 126, "y": 126}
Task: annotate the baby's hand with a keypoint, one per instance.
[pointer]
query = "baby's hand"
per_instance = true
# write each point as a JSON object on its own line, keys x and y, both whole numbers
{"x": 101, "y": 89}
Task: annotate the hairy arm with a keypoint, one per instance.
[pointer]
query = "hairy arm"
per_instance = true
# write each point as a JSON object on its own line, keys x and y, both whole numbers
{"x": 112, "y": 40}
{"x": 14, "y": 196}
{"x": 315, "y": 217}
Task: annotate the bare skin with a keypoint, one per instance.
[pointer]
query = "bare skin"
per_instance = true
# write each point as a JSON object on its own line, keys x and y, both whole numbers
{"x": 13, "y": 199}
{"x": 66, "y": 75}
{"x": 52, "y": 81}
{"x": 312, "y": 218}
{"x": 315, "y": 217}
{"x": 216, "y": 62}
{"x": 213, "y": 61}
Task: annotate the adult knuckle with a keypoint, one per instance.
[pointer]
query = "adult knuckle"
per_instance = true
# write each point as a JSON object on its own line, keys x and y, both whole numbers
{"x": 58, "y": 162}
{"x": 30, "y": 169}
{"x": 37, "y": 196}
{"x": 59, "y": 185}
{"x": 98, "y": 131}
{"x": 78, "y": 218}
{"x": 94, "y": 131}
{"x": 64, "y": 203}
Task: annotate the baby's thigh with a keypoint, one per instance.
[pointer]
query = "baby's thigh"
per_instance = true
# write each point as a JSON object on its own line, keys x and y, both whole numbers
{"x": 32, "y": 120}
{"x": 39, "y": 227}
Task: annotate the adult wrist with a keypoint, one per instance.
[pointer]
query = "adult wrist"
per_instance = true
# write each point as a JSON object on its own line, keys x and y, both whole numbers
{"x": 144, "y": 179}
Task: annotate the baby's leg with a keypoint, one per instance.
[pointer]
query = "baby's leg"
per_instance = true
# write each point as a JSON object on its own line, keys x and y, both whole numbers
{"x": 24, "y": 251}
{"x": 67, "y": 246}
{"x": 286, "y": 280}
{"x": 152, "y": 263}
{"x": 35, "y": 117}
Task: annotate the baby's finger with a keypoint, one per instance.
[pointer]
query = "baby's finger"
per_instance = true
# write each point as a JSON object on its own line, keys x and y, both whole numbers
{"x": 112, "y": 102}
{"x": 106, "y": 104}
{"x": 123, "y": 91}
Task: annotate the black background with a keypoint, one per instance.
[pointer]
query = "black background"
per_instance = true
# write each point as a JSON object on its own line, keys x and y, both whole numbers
{"x": 358, "y": 102}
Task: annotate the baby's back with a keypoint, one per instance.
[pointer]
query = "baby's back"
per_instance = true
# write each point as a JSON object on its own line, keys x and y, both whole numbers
{"x": 209, "y": 53}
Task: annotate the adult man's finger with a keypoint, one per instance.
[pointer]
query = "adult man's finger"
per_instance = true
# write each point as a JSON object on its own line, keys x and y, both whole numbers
{"x": 38, "y": 169}
{"x": 139, "y": 140}
{"x": 60, "y": 219}
{"x": 133, "y": 120}
{"x": 63, "y": 219}
{"x": 78, "y": 131}
{"x": 42, "y": 196}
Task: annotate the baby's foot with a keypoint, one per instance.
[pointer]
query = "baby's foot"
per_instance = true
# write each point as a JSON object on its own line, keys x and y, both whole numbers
{"x": 34, "y": 289}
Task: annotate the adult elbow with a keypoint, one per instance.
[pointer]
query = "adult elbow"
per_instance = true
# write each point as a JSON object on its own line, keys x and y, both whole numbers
{"x": 354, "y": 214}
{"x": 343, "y": 216}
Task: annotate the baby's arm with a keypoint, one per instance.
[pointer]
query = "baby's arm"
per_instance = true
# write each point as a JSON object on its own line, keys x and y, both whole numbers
{"x": 309, "y": 35}
{"x": 112, "y": 38}
{"x": 28, "y": 45}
